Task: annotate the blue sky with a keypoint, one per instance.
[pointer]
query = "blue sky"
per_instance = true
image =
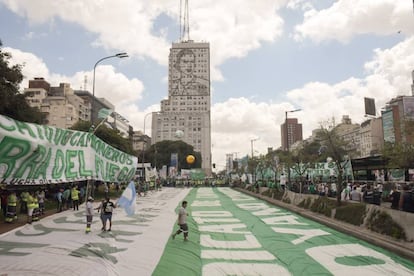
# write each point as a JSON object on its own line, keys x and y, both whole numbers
{"x": 267, "y": 57}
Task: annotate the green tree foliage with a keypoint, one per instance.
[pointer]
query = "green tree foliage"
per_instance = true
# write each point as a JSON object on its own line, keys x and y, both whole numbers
{"x": 159, "y": 154}
{"x": 108, "y": 135}
{"x": 305, "y": 157}
{"x": 334, "y": 147}
{"x": 12, "y": 103}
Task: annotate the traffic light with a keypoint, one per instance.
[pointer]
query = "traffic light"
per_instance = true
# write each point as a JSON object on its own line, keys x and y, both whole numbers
{"x": 214, "y": 165}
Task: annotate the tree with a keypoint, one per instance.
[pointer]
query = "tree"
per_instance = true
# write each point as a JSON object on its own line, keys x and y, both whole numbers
{"x": 335, "y": 148}
{"x": 159, "y": 154}
{"x": 12, "y": 103}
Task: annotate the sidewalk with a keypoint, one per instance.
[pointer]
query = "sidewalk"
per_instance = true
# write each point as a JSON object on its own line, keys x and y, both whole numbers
{"x": 58, "y": 244}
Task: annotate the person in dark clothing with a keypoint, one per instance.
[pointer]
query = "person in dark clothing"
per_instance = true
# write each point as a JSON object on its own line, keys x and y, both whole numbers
{"x": 369, "y": 195}
{"x": 395, "y": 199}
{"x": 406, "y": 200}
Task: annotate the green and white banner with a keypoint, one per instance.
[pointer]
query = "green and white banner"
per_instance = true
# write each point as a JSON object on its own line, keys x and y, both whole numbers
{"x": 40, "y": 154}
{"x": 235, "y": 234}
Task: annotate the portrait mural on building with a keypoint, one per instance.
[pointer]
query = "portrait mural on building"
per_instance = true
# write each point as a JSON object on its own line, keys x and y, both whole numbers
{"x": 187, "y": 80}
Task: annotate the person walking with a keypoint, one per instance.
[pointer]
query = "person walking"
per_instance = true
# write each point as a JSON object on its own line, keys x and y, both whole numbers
{"x": 23, "y": 202}
{"x": 59, "y": 198}
{"x": 108, "y": 207}
{"x": 182, "y": 221}
{"x": 31, "y": 205}
{"x": 41, "y": 199}
{"x": 100, "y": 209}
{"x": 66, "y": 199}
{"x": 89, "y": 214}
{"x": 356, "y": 195}
{"x": 75, "y": 198}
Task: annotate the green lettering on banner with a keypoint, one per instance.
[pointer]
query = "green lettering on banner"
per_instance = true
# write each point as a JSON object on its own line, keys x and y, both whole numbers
{"x": 122, "y": 157}
{"x": 30, "y": 163}
{"x": 112, "y": 170}
{"x": 115, "y": 156}
{"x": 66, "y": 136}
{"x": 122, "y": 176}
{"x": 8, "y": 128}
{"x": 99, "y": 167}
{"x": 24, "y": 126}
{"x": 39, "y": 132}
{"x": 82, "y": 140}
{"x": 82, "y": 170}
{"x": 11, "y": 150}
{"x": 44, "y": 165}
{"x": 75, "y": 135}
{"x": 58, "y": 135}
{"x": 70, "y": 154}
{"x": 129, "y": 160}
{"x": 48, "y": 133}
{"x": 131, "y": 174}
{"x": 59, "y": 165}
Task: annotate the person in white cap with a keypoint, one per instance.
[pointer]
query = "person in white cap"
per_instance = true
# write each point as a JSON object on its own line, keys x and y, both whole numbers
{"x": 89, "y": 214}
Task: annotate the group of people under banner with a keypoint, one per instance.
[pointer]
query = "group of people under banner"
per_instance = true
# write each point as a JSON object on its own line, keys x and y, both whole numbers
{"x": 31, "y": 203}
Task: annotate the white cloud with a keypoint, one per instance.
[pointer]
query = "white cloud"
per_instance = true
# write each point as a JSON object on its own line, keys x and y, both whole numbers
{"x": 128, "y": 26}
{"x": 236, "y": 121}
{"x": 346, "y": 19}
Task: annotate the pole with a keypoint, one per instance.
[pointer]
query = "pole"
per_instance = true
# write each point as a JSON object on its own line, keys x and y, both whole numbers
{"x": 143, "y": 144}
{"x": 119, "y": 55}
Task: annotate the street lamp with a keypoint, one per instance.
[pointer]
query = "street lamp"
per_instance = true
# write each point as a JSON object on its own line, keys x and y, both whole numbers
{"x": 251, "y": 144}
{"x": 287, "y": 138}
{"x": 119, "y": 55}
{"x": 144, "y": 142}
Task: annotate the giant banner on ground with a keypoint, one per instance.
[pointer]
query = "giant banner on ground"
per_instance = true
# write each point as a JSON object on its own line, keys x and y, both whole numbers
{"x": 40, "y": 154}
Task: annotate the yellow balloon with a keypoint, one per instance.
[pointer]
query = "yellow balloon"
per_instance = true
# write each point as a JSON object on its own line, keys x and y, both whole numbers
{"x": 190, "y": 159}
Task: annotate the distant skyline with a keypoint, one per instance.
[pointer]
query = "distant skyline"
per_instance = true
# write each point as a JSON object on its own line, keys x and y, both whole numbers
{"x": 267, "y": 57}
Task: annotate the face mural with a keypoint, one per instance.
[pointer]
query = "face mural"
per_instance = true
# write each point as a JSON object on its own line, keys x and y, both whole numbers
{"x": 188, "y": 81}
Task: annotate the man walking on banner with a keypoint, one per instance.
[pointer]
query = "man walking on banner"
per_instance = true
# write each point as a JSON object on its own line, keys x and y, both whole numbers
{"x": 89, "y": 214}
{"x": 182, "y": 221}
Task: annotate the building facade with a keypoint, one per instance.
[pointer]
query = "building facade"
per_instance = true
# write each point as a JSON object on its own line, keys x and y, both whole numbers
{"x": 397, "y": 120}
{"x": 291, "y": 132}
{"x": 372, "y": 137}
{"x": 187, "y": 109}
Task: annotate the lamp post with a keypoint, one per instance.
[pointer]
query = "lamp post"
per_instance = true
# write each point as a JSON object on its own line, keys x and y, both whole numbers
{"x": 144, "y": 142}
{"x": 251, "y": 144}
{"x": 119, "y": 55}
{"x": 287, "y": 138}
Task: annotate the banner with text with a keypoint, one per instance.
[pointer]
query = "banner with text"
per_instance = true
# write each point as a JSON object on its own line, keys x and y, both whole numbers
{"x": 40, "y": 154}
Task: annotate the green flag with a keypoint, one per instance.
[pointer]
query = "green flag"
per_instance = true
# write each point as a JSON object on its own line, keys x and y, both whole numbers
{"x": 104, "y": 112}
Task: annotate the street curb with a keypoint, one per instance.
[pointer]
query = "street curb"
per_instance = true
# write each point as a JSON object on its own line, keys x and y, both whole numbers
{"x": 403, "y": 249}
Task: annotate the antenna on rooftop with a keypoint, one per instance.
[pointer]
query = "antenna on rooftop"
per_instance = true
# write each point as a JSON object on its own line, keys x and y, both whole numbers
{"x": 184, "y": 21}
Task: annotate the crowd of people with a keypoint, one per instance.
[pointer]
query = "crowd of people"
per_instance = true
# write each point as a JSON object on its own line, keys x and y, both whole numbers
{"x": 401, "y": 196}
{"x": 29, "y": 202}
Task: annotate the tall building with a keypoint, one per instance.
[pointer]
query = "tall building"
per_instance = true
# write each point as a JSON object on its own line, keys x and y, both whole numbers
{"x": 187, "y": 108}
{"x": 291, "y": 132}
{"x": 396, "y": 119}
{"x": 60, "y": 104}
